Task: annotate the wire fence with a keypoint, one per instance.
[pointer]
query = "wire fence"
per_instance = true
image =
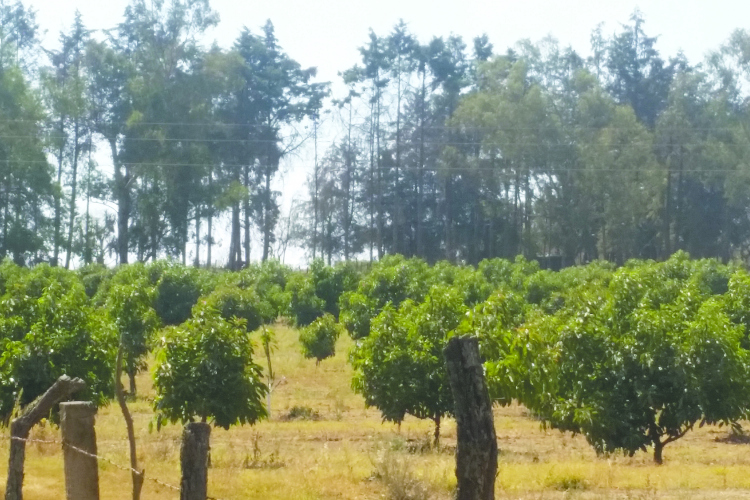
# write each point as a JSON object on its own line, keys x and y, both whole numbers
{"x": 103, "y": 459}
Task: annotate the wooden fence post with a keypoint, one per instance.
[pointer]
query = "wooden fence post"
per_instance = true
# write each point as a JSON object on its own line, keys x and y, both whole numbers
{"x": 21, "y": 426}
{"x": 476, "y": 453}
{"x": 81, "y": 470}
{"x": 194, "y": 461}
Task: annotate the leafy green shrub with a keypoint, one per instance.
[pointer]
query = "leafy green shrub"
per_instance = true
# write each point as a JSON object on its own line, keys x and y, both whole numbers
{"x": 48, "y": 329}
{"x": 637, "y": 364}
{"x": 331, "y": 282}
{"x": 497, "y": 272}
{"x": 92, "y": 276}
{"x": 319, "y": 338}
{"x": 205, "y": 372}
{"x": 304, "y": 306}
{"x": 392, "y": 280}
{"x": 399, "y": 367}
{"x": 177, "y": 291}
{"x": 9, "y": 273}
{"x": 130, "y": 308}
{"x": 234, "y": 302}
{"x": 269, "y": 280}
{"x": 356, "y": 312}
{"x": 122, "y": 275}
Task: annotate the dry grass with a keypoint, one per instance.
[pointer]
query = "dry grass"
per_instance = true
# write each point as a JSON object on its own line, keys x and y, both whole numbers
{"x": 349, "y": 454}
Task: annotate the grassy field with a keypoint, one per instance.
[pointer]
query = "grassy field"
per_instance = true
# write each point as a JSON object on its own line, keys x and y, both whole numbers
{"x": 345, "y": 452}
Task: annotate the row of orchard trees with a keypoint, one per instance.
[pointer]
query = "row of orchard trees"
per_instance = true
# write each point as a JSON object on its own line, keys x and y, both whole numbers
{"x": 631, "y": 357}
{"x": 440, "y": 149}
{"x": 199, "y": 323}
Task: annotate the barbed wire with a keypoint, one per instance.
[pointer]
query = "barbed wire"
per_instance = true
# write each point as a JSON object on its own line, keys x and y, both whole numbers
{"x": 103, "y": 459}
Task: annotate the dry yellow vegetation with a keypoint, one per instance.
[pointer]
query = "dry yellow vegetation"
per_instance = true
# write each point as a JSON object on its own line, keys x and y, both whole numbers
{"x": 348, "y": 453}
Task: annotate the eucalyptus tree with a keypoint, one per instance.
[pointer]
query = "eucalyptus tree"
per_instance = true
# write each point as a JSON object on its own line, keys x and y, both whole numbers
{"x": 65, "y": 85}
{"x": 637, "y": 74}
{"x": 26, "y": 187}
{"x": 19, "y": 37}
{"x": 401, "y": 63}
{"x": 272, "y": 94}
{"x": 449, "y": 65}
{"x": 375, "y": 64}
{"x": 141, "y": 76}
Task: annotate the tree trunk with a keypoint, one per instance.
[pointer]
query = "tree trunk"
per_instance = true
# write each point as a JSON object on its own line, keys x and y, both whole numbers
{"x": 194, "y": 461}
{"x": 420, "y": 173}
{"x": 131, "y": 378}
{"x": 136, "y": 473}
{"x": 476, "y": 452}
{"x": 209, "y": 236}
{"x": 437, "y": 432}
{"x": 267, "y": 229}
{"x": 234, "y": 243}
{"x": 658, "y": 449}
{"x": 197, "y": 261}
{"x": 396, "y": 182}
{"x": 122, "y": 194}
{"x": 78, "y": 435}
{"x": 246, "y": 209}
{"x": 380, "y": 180}
{"x": 58, "y": 198}
{"x": 73, "y": 192}
{"x": 316, "y": 189}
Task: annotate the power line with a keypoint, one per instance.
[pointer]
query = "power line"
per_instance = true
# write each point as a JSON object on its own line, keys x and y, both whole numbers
{"x": 553, "y": 169}
{"x": 218, "y": 125}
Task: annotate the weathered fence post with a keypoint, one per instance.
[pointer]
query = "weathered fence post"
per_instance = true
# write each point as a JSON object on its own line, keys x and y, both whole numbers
{"x": 81, "y": 470}
{"x": 194, "y": 461}
{"x": 21, "y": 426}
{"x": 476, "y": 453}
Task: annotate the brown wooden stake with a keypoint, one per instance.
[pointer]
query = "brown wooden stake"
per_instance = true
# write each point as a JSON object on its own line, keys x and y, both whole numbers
{"x": 21, "y": 427}
{"x": 476, "y": 453}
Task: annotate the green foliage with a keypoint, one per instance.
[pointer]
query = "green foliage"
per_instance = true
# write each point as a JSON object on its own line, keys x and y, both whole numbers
{"x": 399, "y": 367}
{"x": 318, "y": 339}
{"x": 9, "y": 273}
{"x": 130, "y": 308}
{"x": 331, "y": 282}
{"x": 356, "y": 314}
{"x": 177, "y": 291}
{"x": 234, "y": 302}
{"x": 93, "y": 276}
{"x": 495, "y": 323}
{"x": 205, "y": 371}
{"x": 304, "y": 306}
{"x": 472, "y": 284}
{"x": 635, "y": 364}
{"x": 47, "y": 329}
{"x": 393, "y": 280}
{"x": 269, "y": 280}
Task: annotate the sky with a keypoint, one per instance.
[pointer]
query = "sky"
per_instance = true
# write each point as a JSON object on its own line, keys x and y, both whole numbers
{"x": 327, "y": 33}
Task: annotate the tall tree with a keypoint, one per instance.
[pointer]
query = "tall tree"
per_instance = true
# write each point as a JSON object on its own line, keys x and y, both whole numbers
{"x": 66, "y": 90}
{"x": 273, "y": 92}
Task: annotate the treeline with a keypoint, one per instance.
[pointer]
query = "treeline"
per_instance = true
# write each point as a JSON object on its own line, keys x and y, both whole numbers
{"x": 443, "y": 150}
{"x": 469, "y": 154}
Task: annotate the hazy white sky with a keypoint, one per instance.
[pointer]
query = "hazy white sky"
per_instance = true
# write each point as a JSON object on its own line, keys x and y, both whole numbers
{"x": 327, "y": 33}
